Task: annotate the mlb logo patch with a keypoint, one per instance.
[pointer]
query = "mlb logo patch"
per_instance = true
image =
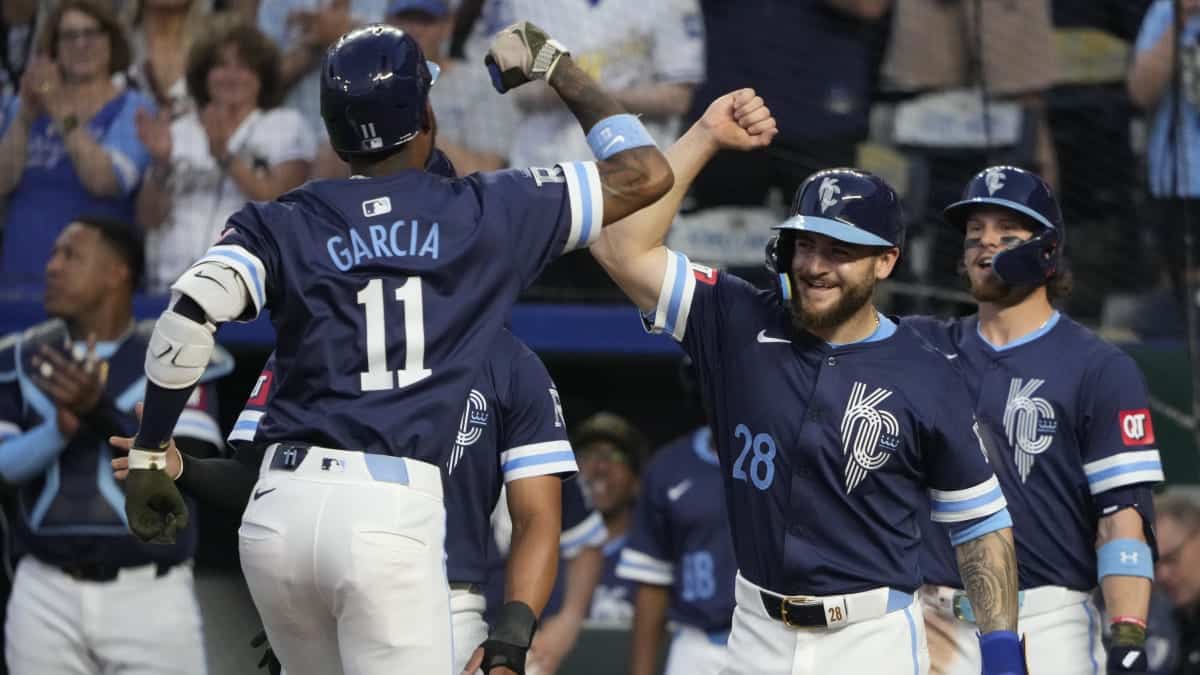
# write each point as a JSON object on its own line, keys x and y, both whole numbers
{"x": 1136, "y": 427}
{"x": 704, "y": 274}
{"x": 377, "y": 207}
{"x": 332, "y": 464}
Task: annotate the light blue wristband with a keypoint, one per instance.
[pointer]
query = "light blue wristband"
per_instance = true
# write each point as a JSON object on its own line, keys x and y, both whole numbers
{"x": 617, "y": 134}
{"x": 1125, "y": 558}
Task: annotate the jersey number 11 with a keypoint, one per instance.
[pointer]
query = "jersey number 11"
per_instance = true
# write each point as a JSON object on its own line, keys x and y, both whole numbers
{"x": 378, "y": 377}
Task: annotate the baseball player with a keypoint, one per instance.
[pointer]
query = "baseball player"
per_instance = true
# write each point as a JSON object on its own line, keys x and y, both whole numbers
{"x": 681, "y": 553}
{"x": 834, "y": 426}
{"x": 82, "y": 577}
{"x": 386, "y": 291}
{"x": 1070, "y": 437}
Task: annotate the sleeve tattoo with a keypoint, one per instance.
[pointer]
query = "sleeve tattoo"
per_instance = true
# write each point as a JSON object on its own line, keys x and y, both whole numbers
{"x": 988, "y": 566}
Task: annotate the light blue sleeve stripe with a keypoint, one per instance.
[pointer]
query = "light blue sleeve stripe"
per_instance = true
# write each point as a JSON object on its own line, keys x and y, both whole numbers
{"x": 681, "y": 270}
{"x": 533, "y": 460}
{"x": 581, "y": 539}
{"x": 246, "y": 425}
{"x": 248, "y": 264}
{"x": 656, "y": 571}
{"x": 1123, "y": 469}
{"x": 992, "y": 495}
{"x": 585, "y": 197}
{"x": 997, "y": 521}
{"x": 25, "y": 456}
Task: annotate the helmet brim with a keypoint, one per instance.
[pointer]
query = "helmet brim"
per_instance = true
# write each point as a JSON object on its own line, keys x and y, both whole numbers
{"x": 834, "y": 229}
{"x": 956, "y": 213}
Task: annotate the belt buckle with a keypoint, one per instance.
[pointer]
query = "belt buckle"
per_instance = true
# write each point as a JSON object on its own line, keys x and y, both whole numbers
{"x": 961, "y": 605}
{"x": 795, "y": 601}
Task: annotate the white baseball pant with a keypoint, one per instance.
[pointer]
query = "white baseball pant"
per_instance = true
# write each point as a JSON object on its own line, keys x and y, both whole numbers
{"x": 137, "y": 624}
{"x": 1061, "y": 628}
{"x": 695, "y": 652}
{"x": 343, "y": 553}
{"x": 871, "y": 640}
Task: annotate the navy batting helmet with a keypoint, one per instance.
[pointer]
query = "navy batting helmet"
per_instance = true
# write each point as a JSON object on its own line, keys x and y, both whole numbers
{"x": 374, "y": 85}
{"x": 849, "y": 205}
{"x": 1035, "y": 260}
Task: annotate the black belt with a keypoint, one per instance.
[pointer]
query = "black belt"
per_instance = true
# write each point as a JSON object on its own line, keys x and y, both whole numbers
{"x": 103, "y": 572}
{"x": 794, "y": 614}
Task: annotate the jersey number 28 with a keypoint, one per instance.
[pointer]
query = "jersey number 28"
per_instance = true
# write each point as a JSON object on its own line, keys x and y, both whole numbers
{"x": 378, "y": 377}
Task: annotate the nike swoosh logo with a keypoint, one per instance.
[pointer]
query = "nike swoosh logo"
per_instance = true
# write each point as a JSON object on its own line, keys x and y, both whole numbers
{"x": 762, "y": 337}
{"x": 951, "y": 357}
{"x": 260, "y": 493}
{"x": 614, "y": 141}
{"x": 1130, "y": 659}
{"x": 675, "y": 492}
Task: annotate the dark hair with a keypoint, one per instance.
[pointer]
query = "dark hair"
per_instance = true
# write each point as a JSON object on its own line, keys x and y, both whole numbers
{"x": 1060, "y": 284}
{"x": 119, "y": 58}
{"x": 253, "y": 47}
{"x": 125, "y": 239}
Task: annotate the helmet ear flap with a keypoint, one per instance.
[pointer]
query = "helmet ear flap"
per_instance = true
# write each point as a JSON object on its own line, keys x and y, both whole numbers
{"x": 779, "y": 262}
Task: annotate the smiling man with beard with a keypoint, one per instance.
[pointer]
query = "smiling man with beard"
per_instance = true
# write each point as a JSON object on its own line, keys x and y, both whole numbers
{"x": 836, "y": 429}
{"x": 1069, "y": 434}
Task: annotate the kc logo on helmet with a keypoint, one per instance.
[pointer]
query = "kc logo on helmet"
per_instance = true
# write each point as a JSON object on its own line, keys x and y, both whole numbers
{"x": 1136, "y": 427}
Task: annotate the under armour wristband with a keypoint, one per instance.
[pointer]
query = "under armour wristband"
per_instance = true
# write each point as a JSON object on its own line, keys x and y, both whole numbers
{"x": 617, "y": 133}
{"x": 1125, "y": 558}
{"x": 1002, "y": 653}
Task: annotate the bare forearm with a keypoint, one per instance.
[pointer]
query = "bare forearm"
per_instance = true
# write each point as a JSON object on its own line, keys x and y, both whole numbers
{"x": 664, "y": 99}
{"x": 533, "y": 561}
{"x": 988, "y": 566}
{"x": 583, "y": 573}
{"x": 649, "y": 622}
{"x": 1124, "y": 595}
{"x": 266, "y": 185}
{"x": 12, "y": 154}
{"x": 1151, "y": 72}
{"x": 92, "y": 163}
{"x": 584, "y": 98}
{"x": 154, "y": 198}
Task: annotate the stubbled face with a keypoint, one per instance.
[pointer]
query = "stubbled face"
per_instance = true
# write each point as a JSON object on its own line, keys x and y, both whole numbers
{"x": 1178, "y": 569}
{"x": 988, "y": 231}
{"x": 832, "y": 280}
{"x": 84, "y": 49}
{"x": 611, "y": 482}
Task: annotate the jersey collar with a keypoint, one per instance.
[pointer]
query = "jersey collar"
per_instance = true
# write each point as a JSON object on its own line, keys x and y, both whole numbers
{"x": 616, "y": 544}
{"x": 1024, "y": 339}
{"x": 105, "y": 349}
{"x": 702, "y": 445}
{"x": 885, "y": 330}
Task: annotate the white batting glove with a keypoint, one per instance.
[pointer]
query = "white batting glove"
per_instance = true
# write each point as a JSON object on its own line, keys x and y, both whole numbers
{"x": 522, "y": 53}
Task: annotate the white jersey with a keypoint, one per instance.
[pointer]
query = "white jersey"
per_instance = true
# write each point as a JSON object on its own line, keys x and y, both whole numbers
{"x": 203, "y": 196}
{"x": 622, "y": 43}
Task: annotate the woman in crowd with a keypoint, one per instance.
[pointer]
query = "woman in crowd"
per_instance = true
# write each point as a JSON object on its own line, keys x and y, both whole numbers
{"x": 69, "y": 145}
{"x": 235, "y": 146}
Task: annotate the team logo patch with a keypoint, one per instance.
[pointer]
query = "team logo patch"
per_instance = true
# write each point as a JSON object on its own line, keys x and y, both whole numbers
{"x": 332, "y": 465}
{"x": 470, "y": 427}
{"x": 869, "y": 435}
{"x": 704, "y": 274}
{"x": 258, "y": 396}
{"x": 1029, "y": 423}
{"x": 1136, "y": 427}
{"x": 994, "y": 179}
{"x": 828, "y": 192}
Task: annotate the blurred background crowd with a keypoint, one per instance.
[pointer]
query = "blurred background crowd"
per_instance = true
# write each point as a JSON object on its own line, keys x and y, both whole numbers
{"x": 157, "y": 119}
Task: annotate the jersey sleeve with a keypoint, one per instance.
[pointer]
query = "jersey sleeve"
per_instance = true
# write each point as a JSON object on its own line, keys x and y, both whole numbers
{"x": 646, "y": 556}
{"x": 582, "y": 526}
{"x": 125, "y": 150}
{"x": 1118, "y": 443}
{"x": 1154, "y": 25}
{"x": 535, "y": 433}
{"x": 247, "y": 422}
{"x": 679, "y": 43}
{"x": 542, "y": 212}
{"x": 248, "y": 247}
{"x": 963, "y": 491}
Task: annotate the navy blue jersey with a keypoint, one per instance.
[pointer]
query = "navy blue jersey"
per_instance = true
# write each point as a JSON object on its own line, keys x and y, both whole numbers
{"x": 511, "y": 427}
{"x": 829, "y": 454}
{"x": 1066, "y": 417}
{"x": 613, "y": 599}
{"x": 387, "y": 293}
{"x": 70, "y": 509}
{"x": 680, "y": 535}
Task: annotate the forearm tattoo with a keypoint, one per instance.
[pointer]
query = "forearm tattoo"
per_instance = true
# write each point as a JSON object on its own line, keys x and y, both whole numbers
{"x": 988, "y": 566}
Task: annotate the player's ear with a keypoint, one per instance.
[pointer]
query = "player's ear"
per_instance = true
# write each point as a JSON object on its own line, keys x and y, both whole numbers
{"x": 885, "y": 262}
{"x": 428, "y": 123}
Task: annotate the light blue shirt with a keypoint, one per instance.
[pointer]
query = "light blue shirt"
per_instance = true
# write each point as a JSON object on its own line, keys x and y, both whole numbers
{"x": 1159, "y": 19}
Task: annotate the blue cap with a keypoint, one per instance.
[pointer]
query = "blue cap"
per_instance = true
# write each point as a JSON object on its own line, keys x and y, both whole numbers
{"x": 436, "y": 8}
{"x": 848, "y": 205}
